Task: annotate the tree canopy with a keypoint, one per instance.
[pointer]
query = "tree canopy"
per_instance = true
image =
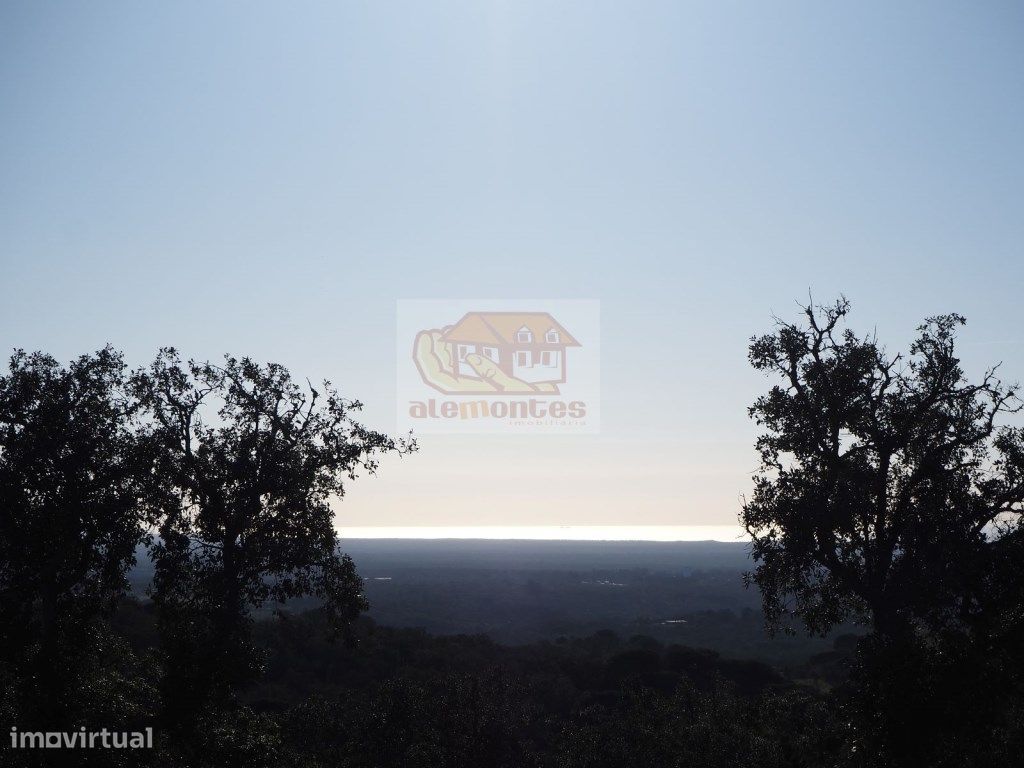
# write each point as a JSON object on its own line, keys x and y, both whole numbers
{"x": 890, "y": 493}
{"x": 72, "y": 479}
{"x": 251, "y": 461}
{"x": 884, "y": 479}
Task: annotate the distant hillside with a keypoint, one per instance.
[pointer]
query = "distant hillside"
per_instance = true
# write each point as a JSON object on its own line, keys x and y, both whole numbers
{"x": 378, "y": 557}
{"x": 530, "y": 555}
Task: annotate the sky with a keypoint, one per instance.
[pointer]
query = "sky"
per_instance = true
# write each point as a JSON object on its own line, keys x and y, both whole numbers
{"x": 270, "y": 179}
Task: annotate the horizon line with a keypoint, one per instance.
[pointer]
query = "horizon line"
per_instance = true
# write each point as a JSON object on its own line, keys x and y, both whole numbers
{"x": 620, "y": 533}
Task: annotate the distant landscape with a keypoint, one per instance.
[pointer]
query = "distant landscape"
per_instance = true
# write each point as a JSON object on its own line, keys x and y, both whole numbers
{"x": 518, "y": 592}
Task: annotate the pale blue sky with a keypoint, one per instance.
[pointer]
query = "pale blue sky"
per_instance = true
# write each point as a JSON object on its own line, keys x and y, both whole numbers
{"x": 268, "y": 179}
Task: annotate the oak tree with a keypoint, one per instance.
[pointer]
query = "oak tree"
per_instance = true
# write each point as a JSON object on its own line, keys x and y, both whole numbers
{"x": 252, "y": 461}
{"x": 72, "y": 480}
{"x": 887, "y": 482}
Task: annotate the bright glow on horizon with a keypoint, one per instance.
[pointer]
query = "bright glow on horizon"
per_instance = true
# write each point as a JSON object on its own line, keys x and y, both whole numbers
{"x": 726, "y": 533}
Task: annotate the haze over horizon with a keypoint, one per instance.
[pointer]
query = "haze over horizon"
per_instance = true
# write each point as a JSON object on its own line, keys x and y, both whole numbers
{"x": 619, "y": 533}
{"x": 169, "y": 182}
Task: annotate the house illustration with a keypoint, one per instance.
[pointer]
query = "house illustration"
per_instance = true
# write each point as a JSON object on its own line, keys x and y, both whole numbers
{"x": 529, "y": 346}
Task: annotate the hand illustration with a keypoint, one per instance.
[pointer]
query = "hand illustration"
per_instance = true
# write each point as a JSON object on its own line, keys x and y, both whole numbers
{"x": 434, "y": 361}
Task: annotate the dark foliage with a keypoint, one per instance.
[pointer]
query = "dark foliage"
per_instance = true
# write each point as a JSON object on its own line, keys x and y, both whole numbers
{"x": 250, "y": 462}
{"x": 890, "y": 494}
{"x": 73, "y": 475}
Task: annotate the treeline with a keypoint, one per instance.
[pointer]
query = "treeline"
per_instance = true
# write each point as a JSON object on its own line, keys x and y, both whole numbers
{"x": 224, "y": 472}
{"x": 402, "y": 697}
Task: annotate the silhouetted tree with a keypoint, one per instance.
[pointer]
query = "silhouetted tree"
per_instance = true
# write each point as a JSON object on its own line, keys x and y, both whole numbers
{"x": 882, "y": 478}
{"x": 251, "y": 462}
{"x": 889, "y": 494}
{"x": 72, "y": 475}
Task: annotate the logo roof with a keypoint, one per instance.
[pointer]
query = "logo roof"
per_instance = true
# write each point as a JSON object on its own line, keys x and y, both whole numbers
{"x": 501, "y": 328}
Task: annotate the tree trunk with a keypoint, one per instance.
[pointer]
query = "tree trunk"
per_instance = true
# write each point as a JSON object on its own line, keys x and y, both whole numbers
{"x": 49, "y": 686}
